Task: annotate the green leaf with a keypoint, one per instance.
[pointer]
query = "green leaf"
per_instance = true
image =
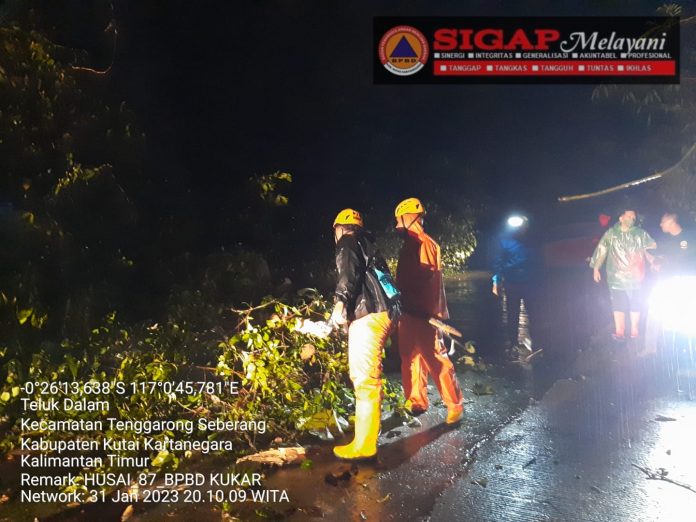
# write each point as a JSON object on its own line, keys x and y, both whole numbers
{"x": 72, "y": 365}
{"x": 318, "y": 421}
{"x": 24, "y": 315}
{"x": 161, "y": 459}
{"x": 38, "y": 321}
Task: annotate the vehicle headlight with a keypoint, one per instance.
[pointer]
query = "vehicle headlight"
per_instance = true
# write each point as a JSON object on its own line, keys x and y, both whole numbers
{"x": 674, "y": 302}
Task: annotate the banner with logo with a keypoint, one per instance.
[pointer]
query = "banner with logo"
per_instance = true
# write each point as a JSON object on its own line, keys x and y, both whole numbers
{"x": 526, "y": 50}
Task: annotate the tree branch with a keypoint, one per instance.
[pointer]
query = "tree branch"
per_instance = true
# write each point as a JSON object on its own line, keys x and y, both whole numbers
{"x": 113, "y": 27}
{"x": 629, "y": 184}
{"x": 662, "y": 475}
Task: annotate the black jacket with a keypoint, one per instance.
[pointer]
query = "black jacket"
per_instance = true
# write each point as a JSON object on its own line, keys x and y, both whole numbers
{"x": 359, "y": 290}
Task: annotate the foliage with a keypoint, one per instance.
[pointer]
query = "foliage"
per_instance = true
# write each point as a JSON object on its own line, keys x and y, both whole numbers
{"x": 240, "y": 275}
{"x": 678, "y": 190}
{"x": 77, "y": 241}
{"x": 270, "y": 187}
{"x": 652, "y": 102}
{"x": 456, "y": 234}
{"x": 295, "y": 378}
{"x": 89, "y": 227}
{"x": 454, "y": 231}
{"x": 670, "y": 112}
{"x": 293, "y": 382}
{"x": 389, "y": 245}
{"x": 65, "y": 154}
{"x": 85, "y": 228}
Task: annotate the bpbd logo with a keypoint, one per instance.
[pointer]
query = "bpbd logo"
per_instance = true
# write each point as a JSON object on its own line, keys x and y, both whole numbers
{"x": 403, "y": 50}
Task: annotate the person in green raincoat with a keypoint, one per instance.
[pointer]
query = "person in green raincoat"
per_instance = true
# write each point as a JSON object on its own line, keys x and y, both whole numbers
{"x": 624, "y": 247}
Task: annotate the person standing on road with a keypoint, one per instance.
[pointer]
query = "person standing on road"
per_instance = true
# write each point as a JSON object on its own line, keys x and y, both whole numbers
{"x": 675, "y": 256}
{"x": 517, "y": 272}
{"x": 676, "y": 251}
{"x": 360, "y": 303}
{"x": 421, "y": 347}
{"x": 624, "y": 248}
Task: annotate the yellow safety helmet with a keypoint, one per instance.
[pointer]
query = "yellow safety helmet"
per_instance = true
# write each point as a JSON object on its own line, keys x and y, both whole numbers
{"x": 348, "y": 216}
{"x": 409, "y": 206}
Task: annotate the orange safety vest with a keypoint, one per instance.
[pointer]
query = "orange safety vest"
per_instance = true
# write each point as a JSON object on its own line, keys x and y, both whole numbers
{"x": 419, "y": 277}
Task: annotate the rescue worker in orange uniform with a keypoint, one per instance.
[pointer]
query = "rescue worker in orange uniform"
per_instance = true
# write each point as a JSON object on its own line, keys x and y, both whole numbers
{"x": 423, "y": 353}
{"x": 362, "y": 305}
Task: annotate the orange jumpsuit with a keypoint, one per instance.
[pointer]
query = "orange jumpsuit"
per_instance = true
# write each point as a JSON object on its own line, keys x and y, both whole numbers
{"x": 419, "y": 277}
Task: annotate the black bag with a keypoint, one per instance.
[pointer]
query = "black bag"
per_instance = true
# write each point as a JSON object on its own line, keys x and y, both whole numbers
{"x": 377, "y": 268}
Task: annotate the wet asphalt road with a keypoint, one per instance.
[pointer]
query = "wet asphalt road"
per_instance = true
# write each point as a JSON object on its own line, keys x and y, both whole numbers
{"x": 576, "y": 435}
{"x": 606, "y": 427}
{"x": 574, "y": 455}
{"x": 577, "y": 454}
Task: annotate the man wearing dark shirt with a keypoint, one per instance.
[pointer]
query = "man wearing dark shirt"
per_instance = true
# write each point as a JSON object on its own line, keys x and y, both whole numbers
{"x": 676, "y": 251}
{"x": 675, "y": 256}
{"x": 360, "y": 303}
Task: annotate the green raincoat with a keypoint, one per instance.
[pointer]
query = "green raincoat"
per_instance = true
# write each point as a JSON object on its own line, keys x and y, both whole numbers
{"x": 624, "y": 253}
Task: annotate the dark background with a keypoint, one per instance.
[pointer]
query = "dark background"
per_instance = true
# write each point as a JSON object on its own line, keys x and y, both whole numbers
{"x": 226, "y": 90}
{"x": 230, "y": 90}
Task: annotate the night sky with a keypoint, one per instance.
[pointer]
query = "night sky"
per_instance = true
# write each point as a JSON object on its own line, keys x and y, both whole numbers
{"x": 225, "y": 90}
